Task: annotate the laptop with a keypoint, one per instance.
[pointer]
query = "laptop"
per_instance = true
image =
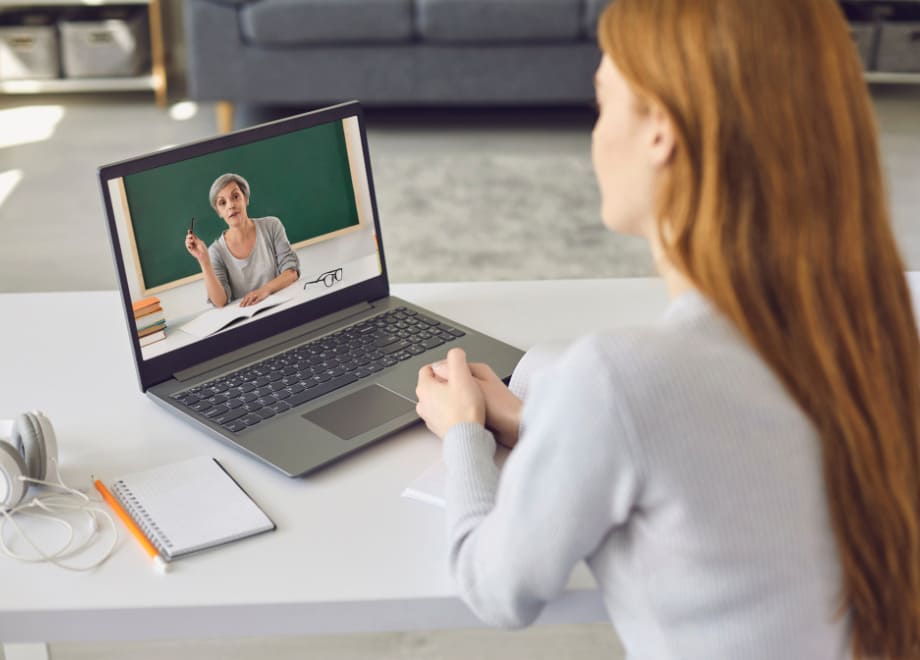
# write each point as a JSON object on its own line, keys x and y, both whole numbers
{"x": 314, "y": 371}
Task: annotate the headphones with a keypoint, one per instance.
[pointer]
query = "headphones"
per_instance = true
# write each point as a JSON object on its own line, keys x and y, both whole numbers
{"x": 30, "y": 453}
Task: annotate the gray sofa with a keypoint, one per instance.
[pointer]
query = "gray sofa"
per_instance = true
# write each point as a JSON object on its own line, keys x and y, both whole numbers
{"x": 391, "y": 52}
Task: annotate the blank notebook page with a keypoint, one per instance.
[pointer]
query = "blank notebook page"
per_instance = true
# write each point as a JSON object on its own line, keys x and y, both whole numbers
{"x": 189, "y": 506}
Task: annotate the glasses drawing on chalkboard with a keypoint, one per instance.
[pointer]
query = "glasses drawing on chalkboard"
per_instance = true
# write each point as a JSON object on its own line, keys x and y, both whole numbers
{"x": 329, "y": 278}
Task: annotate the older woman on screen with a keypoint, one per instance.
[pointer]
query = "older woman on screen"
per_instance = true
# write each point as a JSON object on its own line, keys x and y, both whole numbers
{"x": 252, "y": 258}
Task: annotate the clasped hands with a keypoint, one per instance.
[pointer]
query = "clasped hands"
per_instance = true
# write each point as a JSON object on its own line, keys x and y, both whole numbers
{"x": 453, "y": 391}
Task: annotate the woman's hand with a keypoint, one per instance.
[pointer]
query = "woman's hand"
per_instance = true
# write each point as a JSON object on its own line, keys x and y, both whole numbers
{"x": 257, "y": 295}
{"x": 503, "y": 409}
{"x": 196, "y": 247}
{"x": 445, "y": 402}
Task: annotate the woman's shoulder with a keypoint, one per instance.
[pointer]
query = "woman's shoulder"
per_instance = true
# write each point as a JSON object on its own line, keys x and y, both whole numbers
{"x": 218, "y": 245}
{"x": 268, "y": 222}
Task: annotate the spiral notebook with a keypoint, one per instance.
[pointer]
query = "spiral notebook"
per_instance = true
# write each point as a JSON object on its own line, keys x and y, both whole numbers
{"x": 189, "y": 506}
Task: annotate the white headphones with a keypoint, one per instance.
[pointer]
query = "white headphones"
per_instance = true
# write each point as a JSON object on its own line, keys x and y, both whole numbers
{"x": 31, "y": 452}
{"x": 30, "y": 456}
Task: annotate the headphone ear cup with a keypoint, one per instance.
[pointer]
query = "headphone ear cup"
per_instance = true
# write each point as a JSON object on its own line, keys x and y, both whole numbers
{"x": 12, "y": 488}
{"x": 49, "y": 448}
{"x": 29, "y": 439}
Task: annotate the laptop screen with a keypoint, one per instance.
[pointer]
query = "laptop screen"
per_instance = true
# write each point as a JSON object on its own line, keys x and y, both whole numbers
{"x": 231, "y": 240}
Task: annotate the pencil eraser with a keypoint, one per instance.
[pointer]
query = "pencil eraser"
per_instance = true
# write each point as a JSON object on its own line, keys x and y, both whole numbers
{"x": 160, "y": 566}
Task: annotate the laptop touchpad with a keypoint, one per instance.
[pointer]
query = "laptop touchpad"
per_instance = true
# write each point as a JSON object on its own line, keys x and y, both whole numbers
{"x": 360, "y": 412}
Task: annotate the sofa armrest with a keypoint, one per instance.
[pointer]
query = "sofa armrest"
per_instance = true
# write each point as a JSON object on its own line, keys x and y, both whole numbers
{"x": 214, "y": 47}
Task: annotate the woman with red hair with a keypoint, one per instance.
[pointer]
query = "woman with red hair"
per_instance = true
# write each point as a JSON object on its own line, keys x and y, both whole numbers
{"x": 743, "y": 477}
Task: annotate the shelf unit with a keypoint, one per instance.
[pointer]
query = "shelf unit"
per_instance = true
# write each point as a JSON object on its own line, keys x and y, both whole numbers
{"x": 869, "y": 12}
{"x": 893, "y": 78}
{"x": 154, "y": 80}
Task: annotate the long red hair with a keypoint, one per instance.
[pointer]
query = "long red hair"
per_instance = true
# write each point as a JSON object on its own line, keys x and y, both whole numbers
{"x": 775, "y": 208}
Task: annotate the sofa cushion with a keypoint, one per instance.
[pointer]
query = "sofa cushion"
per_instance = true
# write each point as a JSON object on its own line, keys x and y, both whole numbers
{"x": 593, "y": 10}
{"x": 498, "y": 20}
{"x": 296, "y": 22}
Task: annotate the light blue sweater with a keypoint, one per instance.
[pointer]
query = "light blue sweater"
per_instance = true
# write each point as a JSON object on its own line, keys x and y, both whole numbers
{"x": 670, "y": 459}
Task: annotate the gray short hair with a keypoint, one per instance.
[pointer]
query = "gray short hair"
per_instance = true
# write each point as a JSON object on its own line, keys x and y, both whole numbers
{"x": 222, "y": 182}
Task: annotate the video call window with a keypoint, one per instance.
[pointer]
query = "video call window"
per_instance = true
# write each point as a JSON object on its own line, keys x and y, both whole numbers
{"x": 306, "y": 195}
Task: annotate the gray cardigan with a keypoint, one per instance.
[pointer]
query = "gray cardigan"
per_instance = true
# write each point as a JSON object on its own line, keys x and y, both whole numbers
{"x": 271, "y": 256}
{"x": 672, "y": 460}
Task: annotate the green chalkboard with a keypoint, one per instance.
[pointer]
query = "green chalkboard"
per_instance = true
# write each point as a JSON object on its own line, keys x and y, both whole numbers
{"x": 303, "y": 178}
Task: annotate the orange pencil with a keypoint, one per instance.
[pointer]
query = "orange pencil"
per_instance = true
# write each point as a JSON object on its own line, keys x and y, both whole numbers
{"x": 136, "y": 532}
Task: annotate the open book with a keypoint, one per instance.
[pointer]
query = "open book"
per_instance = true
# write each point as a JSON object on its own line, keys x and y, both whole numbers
{"x": 430, "y": 485}
{"x": 220, "y": 317}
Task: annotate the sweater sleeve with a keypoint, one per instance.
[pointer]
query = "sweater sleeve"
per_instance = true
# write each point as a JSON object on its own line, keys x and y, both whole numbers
{"x": 514, "y": 540}
{"x": 285, "y": 257}
{"x": 220, "y": 269}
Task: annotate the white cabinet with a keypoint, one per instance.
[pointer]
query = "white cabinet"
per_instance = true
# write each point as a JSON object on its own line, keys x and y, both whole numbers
{"x": 154, "y": 79}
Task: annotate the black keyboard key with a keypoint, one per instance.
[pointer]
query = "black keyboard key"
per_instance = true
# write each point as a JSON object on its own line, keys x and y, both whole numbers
{"x": 235, "y": 403}
{"x": 454, "y": 331}
{"x": 278, "y": 385}
{"x": 320, "y": 390}
{"x": 250, "y": 419}
{"x": 263, "y": 391}
{"x": 265, "y": 413}
{"x": 279, "y": 407}
{"x": 384, "y": 339}
{"x": 249, "y": 396}
{"x": 281, "y": 394}
{"x": 215, "y": 411}
{"x": 235, "y": 426}
{"x": 247, "y": 387}
{"x": 201, "y": 406}
{"x": 446, "y": 336}
{"x": 296, "y": 388}
{"x": 229, "y": 416}
{"x": 394, "y": 348}
{"x": 431, "y": 343}
{"x": 415, "y": 349}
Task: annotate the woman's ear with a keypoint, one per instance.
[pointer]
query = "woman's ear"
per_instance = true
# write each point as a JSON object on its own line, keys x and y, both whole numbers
{"x": 661, "y": 136}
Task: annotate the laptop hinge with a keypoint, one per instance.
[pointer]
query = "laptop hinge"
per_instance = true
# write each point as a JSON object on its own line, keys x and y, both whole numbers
{"x": 272, "y": 344}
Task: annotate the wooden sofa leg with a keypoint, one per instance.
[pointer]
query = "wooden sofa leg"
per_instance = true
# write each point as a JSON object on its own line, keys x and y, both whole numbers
{"x": 224, "y": 116}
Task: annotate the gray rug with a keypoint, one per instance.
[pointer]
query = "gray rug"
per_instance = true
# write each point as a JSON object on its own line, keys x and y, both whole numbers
{"x": 498, "y": 217}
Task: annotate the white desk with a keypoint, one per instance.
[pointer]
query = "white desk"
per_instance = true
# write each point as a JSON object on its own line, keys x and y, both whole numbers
{"x": 349, "y": 554}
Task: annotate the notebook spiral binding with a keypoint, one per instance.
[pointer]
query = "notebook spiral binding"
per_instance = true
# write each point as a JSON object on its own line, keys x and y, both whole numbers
{"x": 140, "y": 516}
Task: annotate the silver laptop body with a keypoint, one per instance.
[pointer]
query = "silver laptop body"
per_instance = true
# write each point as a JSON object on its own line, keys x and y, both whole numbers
{"x": 337, "y": 329}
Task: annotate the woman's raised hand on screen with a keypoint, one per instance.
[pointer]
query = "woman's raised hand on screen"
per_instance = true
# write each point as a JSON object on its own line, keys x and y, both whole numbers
{"x": 196, "y": 247}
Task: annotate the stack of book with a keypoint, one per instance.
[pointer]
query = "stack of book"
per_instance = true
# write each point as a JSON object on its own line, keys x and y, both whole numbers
{"x": 149, "y": 320}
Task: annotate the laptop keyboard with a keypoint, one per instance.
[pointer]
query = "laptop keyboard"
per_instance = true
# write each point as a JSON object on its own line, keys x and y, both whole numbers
{"x": 256, "y": 392}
